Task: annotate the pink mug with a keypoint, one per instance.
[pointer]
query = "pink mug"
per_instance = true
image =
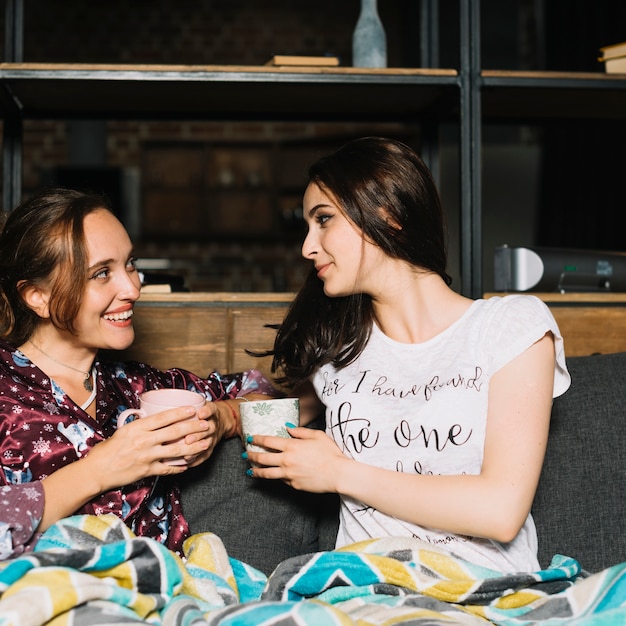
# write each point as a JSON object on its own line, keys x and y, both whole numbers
{"x": 157, "y": 400}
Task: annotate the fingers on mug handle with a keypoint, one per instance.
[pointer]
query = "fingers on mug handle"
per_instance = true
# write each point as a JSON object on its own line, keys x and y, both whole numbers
{"x": 124, "y": 415}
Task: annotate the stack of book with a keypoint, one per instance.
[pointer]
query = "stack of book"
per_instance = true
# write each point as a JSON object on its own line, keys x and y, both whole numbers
{"x": 614, "y": 58}
{"x": 302, "y": 61}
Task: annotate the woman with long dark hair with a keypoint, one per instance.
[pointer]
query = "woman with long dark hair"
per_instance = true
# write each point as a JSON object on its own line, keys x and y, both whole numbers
{"x": 436, "y": 406}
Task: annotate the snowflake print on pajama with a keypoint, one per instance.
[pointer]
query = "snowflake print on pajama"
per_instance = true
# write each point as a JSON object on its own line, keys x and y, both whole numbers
{"x": 45, "y": 430}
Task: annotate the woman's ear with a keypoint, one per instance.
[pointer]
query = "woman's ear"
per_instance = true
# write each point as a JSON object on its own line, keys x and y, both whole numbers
{"x": 35, "y": 298}
{"x": 390, "y": 220}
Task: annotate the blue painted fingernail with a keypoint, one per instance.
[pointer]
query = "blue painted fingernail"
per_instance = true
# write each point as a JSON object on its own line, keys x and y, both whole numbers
{"x": 290, "y": 425}
{"x": 249, "y": 438}
{"x": 249, "y": 472}
{"x": 244, "y": 455}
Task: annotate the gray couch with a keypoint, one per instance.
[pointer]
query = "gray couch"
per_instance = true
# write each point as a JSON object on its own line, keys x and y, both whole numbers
{"x": 579, "y": 510}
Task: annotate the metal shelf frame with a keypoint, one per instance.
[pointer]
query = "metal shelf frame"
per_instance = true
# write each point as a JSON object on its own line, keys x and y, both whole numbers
{"x": 469, "y": 97}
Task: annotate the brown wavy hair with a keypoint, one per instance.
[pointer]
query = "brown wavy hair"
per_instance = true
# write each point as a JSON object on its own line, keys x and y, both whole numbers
{"x": 42, "y": 243}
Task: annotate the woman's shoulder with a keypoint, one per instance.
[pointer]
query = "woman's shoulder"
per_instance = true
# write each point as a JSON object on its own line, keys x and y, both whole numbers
{"x": 13, "y": 362}
{"x": 520, "y": 302}
{"x": 518, "y": 309}
{"x": 514, "y": 323}
{"x": 6, "y": 349}
{"x": 510, "y": 320}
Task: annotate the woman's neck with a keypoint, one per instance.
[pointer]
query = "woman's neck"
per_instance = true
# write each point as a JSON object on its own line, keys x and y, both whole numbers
{"x": 69, "y": 366}
{"x": 59, "y": 350}
{"x": 417, "y": 306}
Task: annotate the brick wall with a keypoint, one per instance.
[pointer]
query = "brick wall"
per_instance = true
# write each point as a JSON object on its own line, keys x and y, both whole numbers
{"x": 231, "y": 32}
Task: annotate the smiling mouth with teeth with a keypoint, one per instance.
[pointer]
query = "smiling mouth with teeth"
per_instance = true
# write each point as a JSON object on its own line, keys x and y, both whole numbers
{"x": 118, "y": 317}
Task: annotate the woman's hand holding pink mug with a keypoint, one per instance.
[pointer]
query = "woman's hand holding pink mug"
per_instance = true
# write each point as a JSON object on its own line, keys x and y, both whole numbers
{"x": 159, "y": 400}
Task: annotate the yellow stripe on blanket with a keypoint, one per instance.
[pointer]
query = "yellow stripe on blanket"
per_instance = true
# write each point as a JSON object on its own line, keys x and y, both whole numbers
{"x": 444, "y": 565}
{"x": 100, "y": 526}
{"x": 450, "y": 590}
{"x": 393, "y": 572}
{"x": 458, "y": 582}
{"x": 517, "y": 599}
{"x": 125, "y": 574}
{"x": 206, "y": 551}
{"x": 450, "y": 581}
{"x": 52, "y": 591}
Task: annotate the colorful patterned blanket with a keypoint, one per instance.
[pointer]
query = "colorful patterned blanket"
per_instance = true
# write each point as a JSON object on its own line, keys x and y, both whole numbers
{"x": 94, "y": 571}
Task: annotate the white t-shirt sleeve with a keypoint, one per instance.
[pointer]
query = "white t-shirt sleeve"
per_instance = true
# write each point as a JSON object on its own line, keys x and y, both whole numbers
{"x": 514, "y": 324}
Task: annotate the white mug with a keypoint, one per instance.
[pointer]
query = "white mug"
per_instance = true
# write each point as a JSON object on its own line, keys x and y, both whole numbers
{"x": 268, "y": 417}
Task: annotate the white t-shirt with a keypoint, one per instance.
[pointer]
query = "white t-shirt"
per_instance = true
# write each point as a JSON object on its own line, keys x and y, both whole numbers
{"x": 422, "y": 408}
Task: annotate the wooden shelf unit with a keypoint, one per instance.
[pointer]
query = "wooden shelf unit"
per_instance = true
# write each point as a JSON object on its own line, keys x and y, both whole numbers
{"x": 469, "y": 96}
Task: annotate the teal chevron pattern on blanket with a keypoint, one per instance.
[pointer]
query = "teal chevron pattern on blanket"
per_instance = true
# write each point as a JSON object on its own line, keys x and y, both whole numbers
{"x": 89, "y": 570}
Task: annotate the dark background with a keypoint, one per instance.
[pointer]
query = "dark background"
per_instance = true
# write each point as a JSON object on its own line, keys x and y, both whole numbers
{"x": 559, "y": 183}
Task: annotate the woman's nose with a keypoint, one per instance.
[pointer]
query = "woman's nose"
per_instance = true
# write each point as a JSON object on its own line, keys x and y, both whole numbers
{"x": 131, "y": 286}
{"x": 309, "y": 247}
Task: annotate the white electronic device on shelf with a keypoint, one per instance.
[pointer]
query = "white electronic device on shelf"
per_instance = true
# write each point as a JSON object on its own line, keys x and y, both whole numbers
{"x": 559, "y": 270}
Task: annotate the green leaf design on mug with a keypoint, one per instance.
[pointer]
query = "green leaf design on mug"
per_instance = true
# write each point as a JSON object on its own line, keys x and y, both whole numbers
{"x": 263, "y": 408}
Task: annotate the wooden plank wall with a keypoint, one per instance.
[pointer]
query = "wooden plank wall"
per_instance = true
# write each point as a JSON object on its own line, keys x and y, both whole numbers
{"x": 207, "y": 332}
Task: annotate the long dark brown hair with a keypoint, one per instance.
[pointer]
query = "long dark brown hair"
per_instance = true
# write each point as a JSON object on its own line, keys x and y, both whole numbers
{"x": 387, "y": 191}
{"x": 42, "y": 243}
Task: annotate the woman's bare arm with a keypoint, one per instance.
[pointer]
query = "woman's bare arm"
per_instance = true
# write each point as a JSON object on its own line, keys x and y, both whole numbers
{"x": 494, "y": 503}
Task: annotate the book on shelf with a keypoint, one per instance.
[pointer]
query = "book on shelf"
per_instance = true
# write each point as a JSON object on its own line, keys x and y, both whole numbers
{"x": 159, "y": 288}
{"x": 294, "y": 60}
{"x": 614, "y": 58}
{"x": 615, "y": 66}
{"x": 613, "y": 51}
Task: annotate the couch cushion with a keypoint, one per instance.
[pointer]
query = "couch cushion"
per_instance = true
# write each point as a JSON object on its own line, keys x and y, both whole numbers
{"x": 580, "y": 506}
{"x": 261, "y": 522}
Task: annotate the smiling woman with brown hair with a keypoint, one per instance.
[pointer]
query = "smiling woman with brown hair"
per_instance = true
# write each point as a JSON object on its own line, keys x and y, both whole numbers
{"x": 68, "y": 285}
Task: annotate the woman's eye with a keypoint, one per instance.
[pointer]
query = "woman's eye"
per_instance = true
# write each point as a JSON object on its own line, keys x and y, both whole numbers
{"x": 100, "y": 274}
{"x": 131, "y": 265}
{"x": 322, "y": 219}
